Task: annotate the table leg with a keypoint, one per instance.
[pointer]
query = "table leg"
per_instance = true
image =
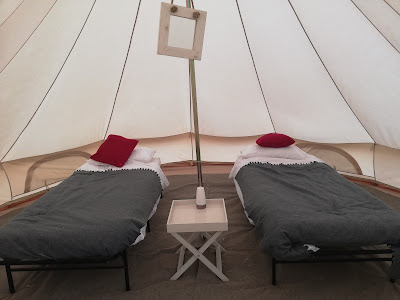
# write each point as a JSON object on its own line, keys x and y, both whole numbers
{"x": 208, "y": 236}
{"x": 192, "y": 237}
{"x": 181, "y": 257}
{"x": 193, "y": 258}
{"x": 198, "y": 254}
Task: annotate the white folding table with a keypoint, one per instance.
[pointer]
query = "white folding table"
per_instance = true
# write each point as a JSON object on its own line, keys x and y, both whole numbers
{"x": 185, "y": 217}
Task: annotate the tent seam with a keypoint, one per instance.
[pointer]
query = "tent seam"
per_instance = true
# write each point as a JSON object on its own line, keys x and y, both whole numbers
{"x": 39, "y": 189}
{"x": 28, "y": 36}
{"x": 326, "y": 69}
{"x": 123, "y": 70}
{"x": 255, "y": 68}
{"x": 392, "y": 7}
{"x": 55, "y": 79}
{"x": 12, "y": 13}
{"x": 375, "y": 26}
{"x": 373, "y": 161}
{"x": 8, "y": 179}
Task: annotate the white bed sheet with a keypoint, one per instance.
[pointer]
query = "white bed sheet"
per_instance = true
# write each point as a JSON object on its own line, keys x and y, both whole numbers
{"x": 241, "y": 162}
{"x": 154, "y": 165}
{"x": 143, "y": 230}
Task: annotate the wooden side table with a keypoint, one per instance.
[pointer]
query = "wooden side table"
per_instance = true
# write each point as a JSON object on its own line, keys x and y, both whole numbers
{"x": 185, "y": 217}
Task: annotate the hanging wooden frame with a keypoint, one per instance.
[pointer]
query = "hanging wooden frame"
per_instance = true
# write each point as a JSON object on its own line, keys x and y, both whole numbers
{"x": 199, "y": 16}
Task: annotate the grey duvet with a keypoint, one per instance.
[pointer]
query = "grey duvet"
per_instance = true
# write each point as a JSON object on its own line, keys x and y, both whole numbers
{"x": 293, "y": 205}
{"x": 89, "y": 215}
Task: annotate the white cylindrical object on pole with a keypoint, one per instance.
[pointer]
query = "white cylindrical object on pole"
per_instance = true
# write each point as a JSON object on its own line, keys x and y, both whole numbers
{"x": 200, "y": 198}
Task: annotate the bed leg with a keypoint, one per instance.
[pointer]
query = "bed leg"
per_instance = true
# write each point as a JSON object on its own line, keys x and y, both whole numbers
{"x": 148, "y": 226}
{"x": 10, "y": 279}
{"x": 126, "y": 270}
{"x": 273, "y": 271}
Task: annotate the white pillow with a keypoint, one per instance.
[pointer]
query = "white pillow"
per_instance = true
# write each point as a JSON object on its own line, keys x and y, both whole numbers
{"x": 142, "y": 154}
{"x": 289, "y": 152}
{"x": 97, "y": 163}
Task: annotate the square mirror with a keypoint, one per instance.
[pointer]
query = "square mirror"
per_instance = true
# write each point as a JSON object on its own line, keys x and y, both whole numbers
{"x": 181, "y": 31}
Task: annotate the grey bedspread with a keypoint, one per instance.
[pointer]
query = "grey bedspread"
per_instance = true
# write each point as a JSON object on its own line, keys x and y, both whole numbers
{"x": 293, "y": 205}
{"x": 89, "y": 215}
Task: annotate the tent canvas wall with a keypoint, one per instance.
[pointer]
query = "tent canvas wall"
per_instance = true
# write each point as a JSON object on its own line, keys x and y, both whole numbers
{"x": 327, "y": 73}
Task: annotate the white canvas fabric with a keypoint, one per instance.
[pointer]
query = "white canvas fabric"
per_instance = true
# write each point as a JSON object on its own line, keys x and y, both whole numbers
{"x": 383, "y": 17}
{"x": 298, "y": 90}
{"x": 7, "y": 8}
{"x": 359, "y": 59}
{"x": 154, "y": 94}
{"x": 394, "y": 4}
{"x": 323, "y": 72}
{"x": 29, "y": 76}
{"x": 22, "y": 21}
{"x": 80, "y": 95}
{"x": 231, "y": 102}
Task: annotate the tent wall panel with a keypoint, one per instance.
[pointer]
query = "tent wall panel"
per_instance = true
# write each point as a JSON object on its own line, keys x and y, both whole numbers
{"x": 29, "y": 174}
{"x": 394, "y": 4}
{"x": 172, "y": 148}
{"x": 227, "y": 100}
{"x": 355, "y": 159}
{"x": 19, "y": 27}
{"x": 52, "y": 169}
{"x": 387, "y": 165}
{"x": 384, "y": 18}
{"x": 7, "y": 8}
{"x": 298, "y": 89}
{"x": 363, "y": 154}
{"x": 363, "y": 64}
{"x": 153, "y": 99}
{"x": 86, "y": 87}
{"x": 27, "y": 79}
{"x": 220, "y": 149}
{"x": 5, "y": 192}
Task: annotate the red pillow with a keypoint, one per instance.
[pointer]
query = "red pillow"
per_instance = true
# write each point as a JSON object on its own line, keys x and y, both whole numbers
{"x": 115, "y": 150}
{"x": 275, "y": 140}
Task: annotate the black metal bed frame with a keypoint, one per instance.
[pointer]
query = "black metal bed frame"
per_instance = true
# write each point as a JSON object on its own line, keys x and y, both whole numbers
{"x": 48, "y": 265}
{"x": 51, "y": 265}
{"x": 326, "y": 256}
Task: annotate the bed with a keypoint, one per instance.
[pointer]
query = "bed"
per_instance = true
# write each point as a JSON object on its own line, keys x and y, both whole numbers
{"x": 307, "y": 212}
{"x": 90, "y": 218}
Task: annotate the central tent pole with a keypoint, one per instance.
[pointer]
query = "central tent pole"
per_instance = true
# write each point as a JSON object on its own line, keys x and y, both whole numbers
{"x": 195, "y": 116}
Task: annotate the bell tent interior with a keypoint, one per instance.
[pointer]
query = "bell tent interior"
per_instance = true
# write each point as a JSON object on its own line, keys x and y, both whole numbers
{"x": 72, "y": 72}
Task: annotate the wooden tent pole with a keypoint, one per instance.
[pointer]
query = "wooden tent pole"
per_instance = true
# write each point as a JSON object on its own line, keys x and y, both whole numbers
{"x": 195, "y": 116}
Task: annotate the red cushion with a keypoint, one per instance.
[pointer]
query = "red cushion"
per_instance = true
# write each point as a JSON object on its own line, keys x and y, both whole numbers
{"x": 275, "y": 140}
{"x": 115, "y": 150}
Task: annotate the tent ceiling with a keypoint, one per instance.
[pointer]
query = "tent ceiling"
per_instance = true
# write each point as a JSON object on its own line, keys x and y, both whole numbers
{"x": 363, "y": 64}
{"x": 7, "y": 8}
{"x": 78, "y": 70}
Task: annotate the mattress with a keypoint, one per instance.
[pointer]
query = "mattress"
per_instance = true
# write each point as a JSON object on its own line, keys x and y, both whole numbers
{"x": 89, "y": 215}
{"x": 298, "y": 204}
